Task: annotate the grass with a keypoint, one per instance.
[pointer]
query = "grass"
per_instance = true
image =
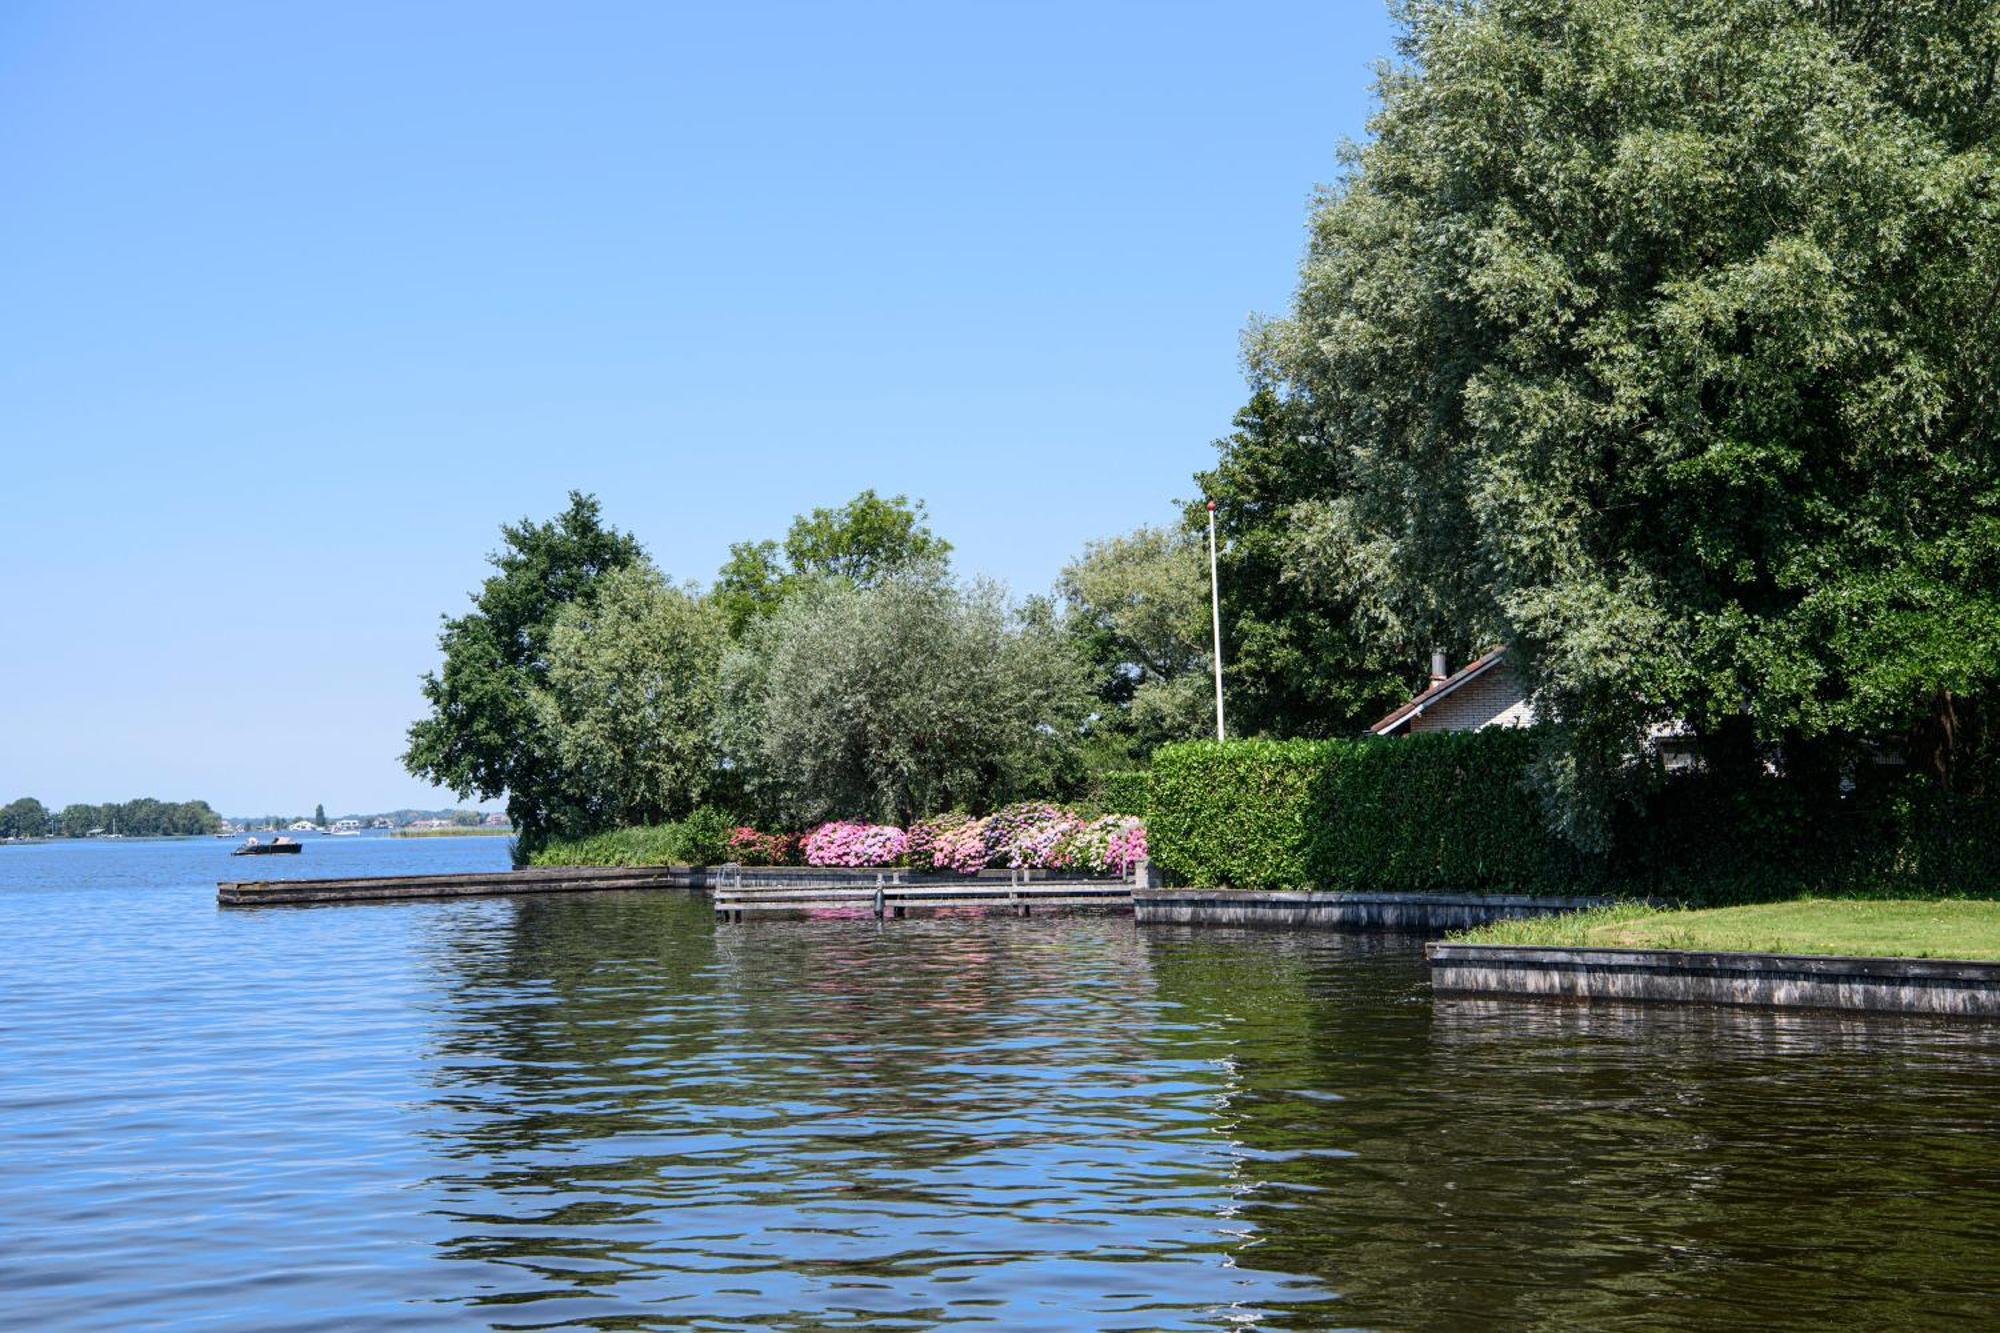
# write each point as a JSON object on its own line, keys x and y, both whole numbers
{"x": 645, "y": 845}
{"x": 1885, "y": 928}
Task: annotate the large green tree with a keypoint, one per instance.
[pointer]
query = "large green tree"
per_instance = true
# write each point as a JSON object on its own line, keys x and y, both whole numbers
{"x": 1137, "y": 607}
{"x": 631, "y": 697}
{"x": 486, "y": 735}
{"x": 25, "y": 818}
{"x": 863, "y": 541}
{"x": 1311, "y": 646}
{"x": 1657, "y": 339}
{"x": 900, "y": 699}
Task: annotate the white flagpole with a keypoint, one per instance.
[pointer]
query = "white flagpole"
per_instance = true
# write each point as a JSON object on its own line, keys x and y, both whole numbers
{"x": 1215, "y": 618}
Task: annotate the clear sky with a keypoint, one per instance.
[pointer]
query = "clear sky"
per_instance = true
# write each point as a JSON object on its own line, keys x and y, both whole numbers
{"x": 301, "y": 301}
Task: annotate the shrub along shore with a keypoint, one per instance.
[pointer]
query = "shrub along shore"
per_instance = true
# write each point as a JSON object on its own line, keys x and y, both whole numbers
{"x": 1455, "y": 812}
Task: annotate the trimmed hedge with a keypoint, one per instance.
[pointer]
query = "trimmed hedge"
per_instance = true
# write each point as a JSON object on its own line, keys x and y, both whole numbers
{"x": 1240, "y": 813}
{"x": 1437, "y": 812}
{"x": 1444, "y": 812}
{"x": 1124, "y": 792}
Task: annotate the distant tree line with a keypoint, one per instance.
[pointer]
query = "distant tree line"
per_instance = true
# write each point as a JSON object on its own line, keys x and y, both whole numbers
{"x": 142, "y": 818}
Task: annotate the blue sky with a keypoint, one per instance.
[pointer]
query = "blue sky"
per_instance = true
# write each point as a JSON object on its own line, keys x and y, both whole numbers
{"x": 303, "y": 301}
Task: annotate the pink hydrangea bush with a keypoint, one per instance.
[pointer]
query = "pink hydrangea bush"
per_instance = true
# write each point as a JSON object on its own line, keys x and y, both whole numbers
{"x": 751, "y": 848}
{"x": 960, "y": 849}
{"x": 848, "y": 844}
{"x": 1105, "y": 845}
{"x": 925, "y": 835}
{"x": 1032, "y": 835}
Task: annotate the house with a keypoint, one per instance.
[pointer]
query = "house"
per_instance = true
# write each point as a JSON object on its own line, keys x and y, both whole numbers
{"x": 1483, "y": 693}
{"x": 1487, "y": 692}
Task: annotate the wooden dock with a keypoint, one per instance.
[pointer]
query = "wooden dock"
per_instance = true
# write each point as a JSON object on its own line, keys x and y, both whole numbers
{"x": 738, "y": 897}
{"x": 393, "y": 888}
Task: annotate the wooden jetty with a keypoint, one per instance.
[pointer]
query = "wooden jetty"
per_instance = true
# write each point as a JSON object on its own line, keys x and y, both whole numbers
{"x": 392, "y": 888}
{"x": 738, "y": 896}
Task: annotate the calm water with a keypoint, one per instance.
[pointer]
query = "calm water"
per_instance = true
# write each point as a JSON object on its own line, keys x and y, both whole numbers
{"x": 606, "y": 1111}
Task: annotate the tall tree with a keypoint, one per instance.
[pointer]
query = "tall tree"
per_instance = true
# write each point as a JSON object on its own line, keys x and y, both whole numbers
{"x": 633, "y": 685}
{"x": 1137, "y": 606}
{"x": 1311, "y": 646}
{"x": 485, "y": 735}
{"x": 864, "y": 541}
{"x": 900, "y": 699}
{"x": 25, "y": 818}
{"x": 1657, "y": 338}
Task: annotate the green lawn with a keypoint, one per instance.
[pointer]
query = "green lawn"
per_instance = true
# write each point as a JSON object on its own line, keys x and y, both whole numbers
{"x": 1899, "y": 928}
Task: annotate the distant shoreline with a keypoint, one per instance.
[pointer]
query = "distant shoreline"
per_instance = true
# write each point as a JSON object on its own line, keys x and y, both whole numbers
{"x": 453, "y": 833}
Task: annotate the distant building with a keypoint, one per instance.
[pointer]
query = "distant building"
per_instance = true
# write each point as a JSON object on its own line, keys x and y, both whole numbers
{"x": 302, "y": 826}
{"x": 1483, "y": 693}
{"x": 495, "y": 820}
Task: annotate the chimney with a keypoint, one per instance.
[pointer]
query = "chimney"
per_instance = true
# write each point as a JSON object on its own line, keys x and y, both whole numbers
{"x": 1439, "y": 671}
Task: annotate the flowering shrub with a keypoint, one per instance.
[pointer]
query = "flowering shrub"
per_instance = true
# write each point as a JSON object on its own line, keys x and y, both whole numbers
{"x": 845, "y": 844}
{"x": 961, "y": 848}
{"x": 1109, "y": 844}
{"x": 925, "y": 835}
{"x": 749, "y": 847}
{"x": 1026, "y": 834}
{"x": 1033, "y": 835}
{"x": 1127, "y": 847}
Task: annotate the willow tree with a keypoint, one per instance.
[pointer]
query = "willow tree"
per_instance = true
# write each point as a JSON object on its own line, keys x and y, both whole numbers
{"x": 1658, "y": 339}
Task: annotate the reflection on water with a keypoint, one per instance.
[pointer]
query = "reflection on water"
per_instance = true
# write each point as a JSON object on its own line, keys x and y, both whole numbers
{"x": 606, "y": 1111}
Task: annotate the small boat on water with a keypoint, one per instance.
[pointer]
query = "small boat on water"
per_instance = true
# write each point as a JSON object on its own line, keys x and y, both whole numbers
{"x": 252, "y": 847}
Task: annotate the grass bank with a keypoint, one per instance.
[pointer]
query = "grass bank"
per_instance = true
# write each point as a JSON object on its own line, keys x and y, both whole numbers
{"x": 642, "y": 845}
{"x": 1885, "y": 928}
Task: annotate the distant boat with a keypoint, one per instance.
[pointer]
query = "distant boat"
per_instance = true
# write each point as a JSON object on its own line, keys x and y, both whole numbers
{"x": 277, "y": 846}
{"x": 345, "y": 828}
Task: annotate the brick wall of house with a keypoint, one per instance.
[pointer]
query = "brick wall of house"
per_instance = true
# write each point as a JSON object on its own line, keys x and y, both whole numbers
{"x": 1494, "y": 699}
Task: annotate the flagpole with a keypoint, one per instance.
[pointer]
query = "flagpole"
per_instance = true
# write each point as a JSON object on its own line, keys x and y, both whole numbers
{"x": 1215, "y": 618}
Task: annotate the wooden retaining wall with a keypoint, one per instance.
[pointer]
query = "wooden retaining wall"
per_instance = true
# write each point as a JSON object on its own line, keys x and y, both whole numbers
{"x": 1880, "y": 985}
{"x": 1304, "y": 909}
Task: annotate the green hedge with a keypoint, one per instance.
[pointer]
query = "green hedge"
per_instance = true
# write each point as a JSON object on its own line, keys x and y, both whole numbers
{"x": 1444, "y": 812}
{"x": 1240, "y": 813}
{"x": 1124, "y": 792}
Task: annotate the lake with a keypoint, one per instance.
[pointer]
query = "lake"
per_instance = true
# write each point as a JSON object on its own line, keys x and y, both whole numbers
{"x": 606, "y": 1111}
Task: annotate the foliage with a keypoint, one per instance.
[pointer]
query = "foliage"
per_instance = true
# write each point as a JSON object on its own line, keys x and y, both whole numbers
{"x": 897, "y": 700}
{"x": 25, "y": 818}
{"x": 703, "y": 838}
{"x": 1443, "y": 812}
{"x": 1124, "y": 791}
{"x": 1894, "y": 928}
{"x": 633, "y": 683}
{"x": 1138, "y": 608}
{"x": 863, "y": 542}
{"x": 941, "y": 835}
{"x": 1437, "y": 812}
{"x": 1237, "y": 813}
{"x": 486, "y": 733}
{"x": 1310, "y": 646}
{"x": 1657, "y": 339}
{"x": 842, "y": 843}
{"x": 142, "y": 818}
{"x": 749, "y": 847}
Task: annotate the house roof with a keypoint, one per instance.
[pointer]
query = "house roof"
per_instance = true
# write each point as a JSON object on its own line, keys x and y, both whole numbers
{"x": 1416, "y": 707}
